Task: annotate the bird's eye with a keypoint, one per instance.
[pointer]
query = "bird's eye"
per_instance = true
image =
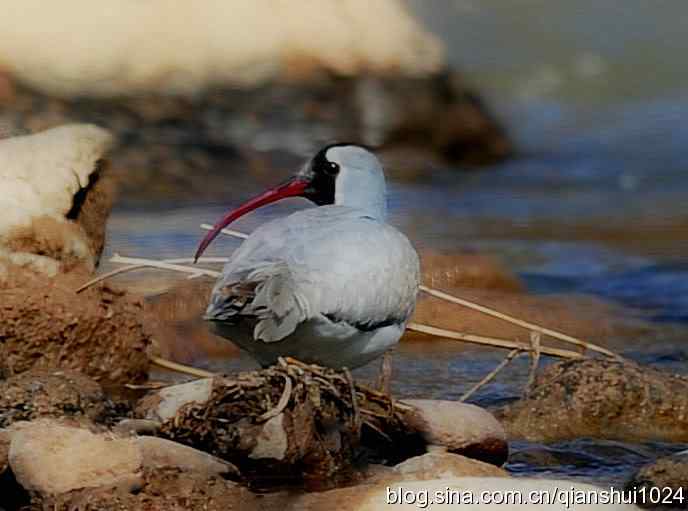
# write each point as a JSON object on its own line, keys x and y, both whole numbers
{"x": 332, "y": 168}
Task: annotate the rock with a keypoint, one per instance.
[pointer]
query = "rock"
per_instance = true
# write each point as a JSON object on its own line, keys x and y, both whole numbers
{"x": 601, "y": 399}
{"x": 461, "y": 428}
{"x": 466, "y": 270}
{"x": 580, "y": 316}
{"x": 51, "y": 459}
{"x": 165, "y": 489}
{"x": 669, "y": 478}
{"x": 442, "y": 465}
{"x": 459, "y": 127}
{"x": 164, "y": 404}
{"x": 4, "y": 449}
{"x": 45, "y": 324}
{"x": 160, "y": 453}
{"x": 58, "y": 394}
{"x": 272, "y": 441}
{"x": 290, "y": 423}
{"x": 414, "y": 495}
{"x": 54, "y": 198}
{"x": 180, "y": 143}
{"x": 212, "y": 43}
{"x": 136, "y": 427}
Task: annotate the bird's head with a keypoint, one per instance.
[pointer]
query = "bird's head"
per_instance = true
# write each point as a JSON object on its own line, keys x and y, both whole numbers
{"x": 345, "y": 174}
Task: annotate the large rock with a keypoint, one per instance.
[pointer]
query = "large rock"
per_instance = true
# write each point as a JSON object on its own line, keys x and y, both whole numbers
{"x": 99, "y": 52}
{"x": 461, "y": 428}
{"x": 601, "y": 399}
{"x": 45, "y": 324}
{"x": 54, "y": 198}
{"x": 57, "y": 394}
{"x": 51, "y": 459}
{"x": 164, "y": 489}
{"x": 186, "y": 147}
{"x": 466, "y": 493}
{"x": 669, "y": 478}
{"x": 159, "y": 453}
{"x": 437, "y": 464}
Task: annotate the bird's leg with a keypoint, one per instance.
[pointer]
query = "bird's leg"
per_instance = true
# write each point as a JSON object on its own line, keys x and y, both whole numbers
{"x": 385, "y": 376}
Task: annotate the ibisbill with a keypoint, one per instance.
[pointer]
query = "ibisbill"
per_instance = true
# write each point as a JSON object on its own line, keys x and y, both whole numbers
{"x": 333, "y": 284}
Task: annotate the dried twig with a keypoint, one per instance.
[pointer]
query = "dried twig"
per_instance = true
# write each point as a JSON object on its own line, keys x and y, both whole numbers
{"x": 181, "y": 368}
{"x": 151, "y": 263}
{"x": 534, "y": 360}
{"x": 124, "y": 269}
{"x": 228, "y": 232}
{"x": 354, "y": 400}
{"x": 525, "y": 324}
{"x": 282, "y": 404}
{"x": 490, "y": 341}
{"x": 489, "y": 377}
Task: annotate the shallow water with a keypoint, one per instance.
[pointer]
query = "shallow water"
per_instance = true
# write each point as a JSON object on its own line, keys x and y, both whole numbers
{"x": 596, "y": 203}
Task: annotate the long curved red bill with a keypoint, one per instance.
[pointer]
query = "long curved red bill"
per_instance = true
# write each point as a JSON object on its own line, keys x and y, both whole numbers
{"x": 293, "y": 188}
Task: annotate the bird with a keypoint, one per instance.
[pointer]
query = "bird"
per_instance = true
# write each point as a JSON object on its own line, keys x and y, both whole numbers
{"x": 332, "y": 285}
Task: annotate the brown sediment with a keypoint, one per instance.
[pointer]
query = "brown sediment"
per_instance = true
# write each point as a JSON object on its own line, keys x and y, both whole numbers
{"x": 467, "y": 270}
{"x": 175, "y": 321}
{"x": 601, "y": 399}
{"x": 45, "y": 324}
{"x": 59, "y": 394}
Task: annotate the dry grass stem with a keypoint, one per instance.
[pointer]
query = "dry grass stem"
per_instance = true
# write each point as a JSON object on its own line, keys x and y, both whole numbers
{"x": 490, "y": 341}
{"x": 152, "y": 263}
{"x": 132, "y": 267}
{"x": 181, "y": 368}
{"x": 525, "y": 324}
{"x": 489, "y": 377}
{"x": 228, "y": 232}
{"x": 282, "y": 404}
{"x": 535, "y": 339}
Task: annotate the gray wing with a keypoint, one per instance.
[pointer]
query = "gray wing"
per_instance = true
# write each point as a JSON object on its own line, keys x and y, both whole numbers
{"x": 331, "y": 262}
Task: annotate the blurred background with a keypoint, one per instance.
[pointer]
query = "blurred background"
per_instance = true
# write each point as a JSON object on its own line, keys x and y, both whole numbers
{"x": 547, "y": 135}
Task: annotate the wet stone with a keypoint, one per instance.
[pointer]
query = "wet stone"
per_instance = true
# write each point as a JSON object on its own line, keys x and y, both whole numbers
{"x": 601, "y": 399}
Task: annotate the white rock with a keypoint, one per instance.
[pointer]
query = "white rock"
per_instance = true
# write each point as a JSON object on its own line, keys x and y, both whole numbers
{"x": 50, "y": 458}
{"x": 443, "y": 465}
{"x": 39, "y": 177}
{"x": 272, "y": 442}
{"x": 159, "y": 453}
{"x": 169, "y": 400}
{"x": 133, "y": 46}
{"x": 460, "y": 426}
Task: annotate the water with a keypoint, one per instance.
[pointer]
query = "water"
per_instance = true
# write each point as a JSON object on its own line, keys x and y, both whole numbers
{"x": 596, "y": 203}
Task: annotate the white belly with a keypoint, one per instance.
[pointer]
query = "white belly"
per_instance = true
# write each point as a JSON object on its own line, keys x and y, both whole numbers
{"x": 316, "y": 341}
